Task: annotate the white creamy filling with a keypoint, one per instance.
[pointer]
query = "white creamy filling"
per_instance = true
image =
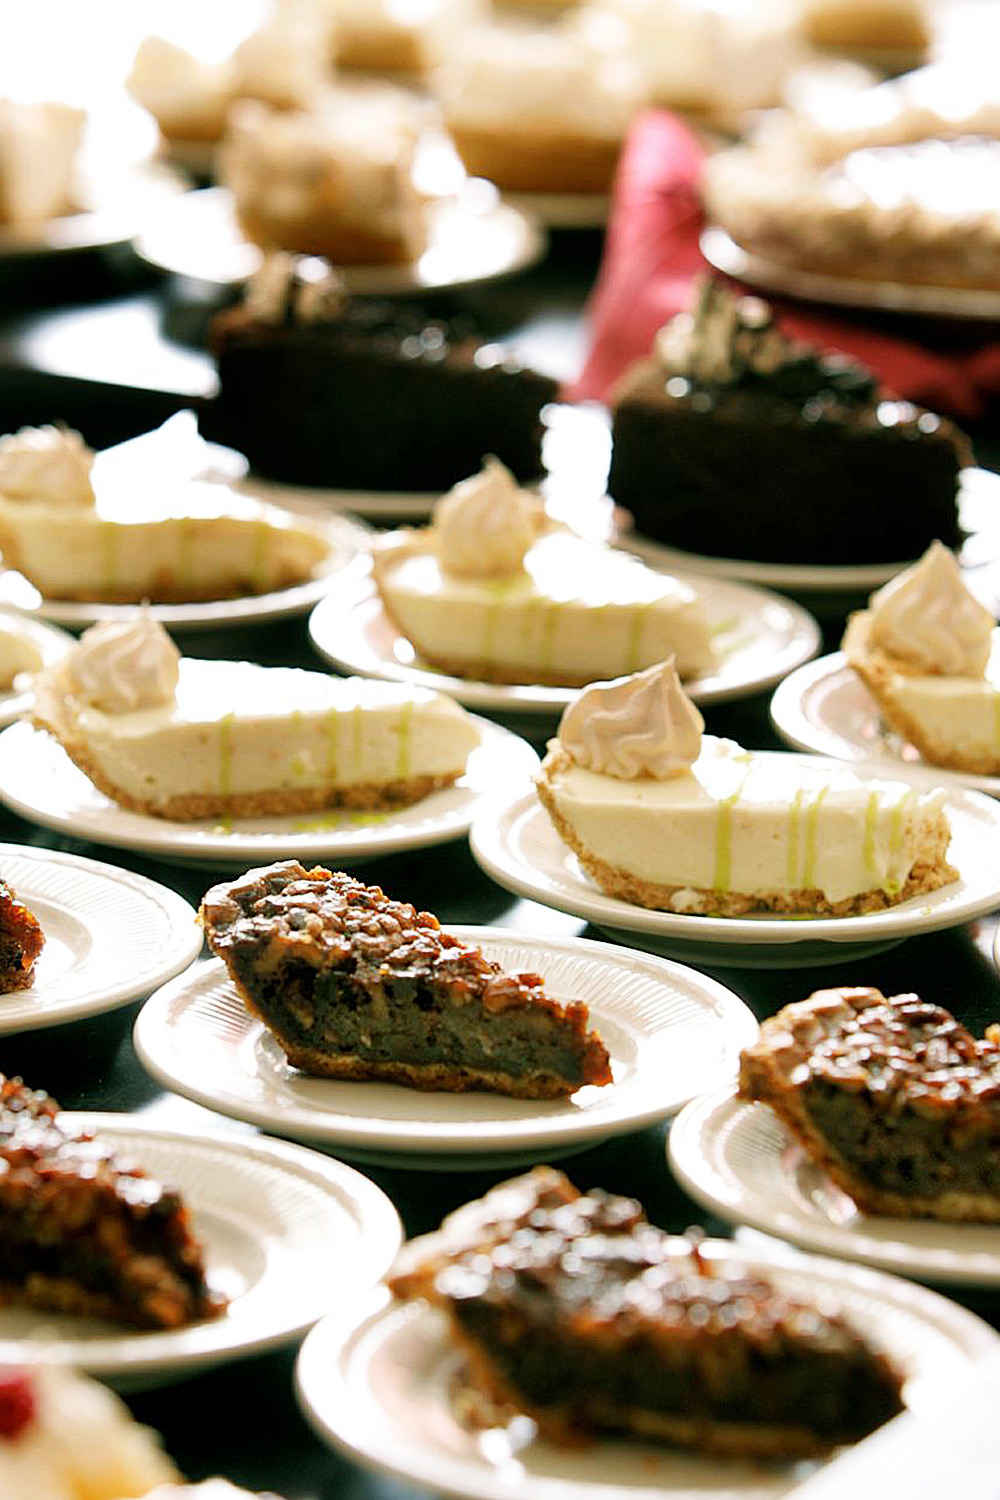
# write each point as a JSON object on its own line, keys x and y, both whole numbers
{"x": 574, "y": 608}
{"x": 72, "y": 549}
{"x": 957, "y": 714}
{"x": 739, "y": 822}
{"x": 235, "y": 727}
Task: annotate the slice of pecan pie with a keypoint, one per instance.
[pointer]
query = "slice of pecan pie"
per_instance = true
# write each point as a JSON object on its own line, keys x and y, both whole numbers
{"x": 893, "y": 1097}
{"x": 354, "y": 985}
{"x": 84, "y": 1231}
{"x": 21, "y": 941}
{"x": 576, "y": 1310}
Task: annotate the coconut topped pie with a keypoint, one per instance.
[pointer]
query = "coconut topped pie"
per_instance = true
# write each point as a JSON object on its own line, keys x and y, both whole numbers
{"x": 891, "y": 1095}
{"x": 179, "y": 737}
{"x": 929, "y": 653}
{"x": 172, "y": 542}
{"x": 573, "y": 1308}
{"x": 494, "y": 591}
{"x": 666, "y": 817}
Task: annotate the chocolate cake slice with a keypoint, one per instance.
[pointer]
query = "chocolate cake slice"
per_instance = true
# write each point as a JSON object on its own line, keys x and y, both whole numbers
{"x": 734, "y": 441}
{"x": 84, "y": 1231}
{"x": 893, "y": 1097}
{"x": 351, "y": 393}
{"x": 354, "y": 985}
{"x": 21, "y": 941}
{"x": 574, "y": 1309}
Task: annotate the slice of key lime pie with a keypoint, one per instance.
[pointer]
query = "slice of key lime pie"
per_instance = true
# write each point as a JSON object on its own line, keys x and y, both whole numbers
{"x": 663, "y": 816}
{"x": 492, "y": 590}
{"x": 929, "y": 653}
{"x": 170, "y": 542}
{"x": 182, "y": 738}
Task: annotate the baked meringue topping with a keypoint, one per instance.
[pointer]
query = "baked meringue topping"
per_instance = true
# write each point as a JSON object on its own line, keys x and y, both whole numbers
{"x": 122, "y": 666}
{"x": 642, "y": 725}
{"x": 484, "y": 525}
{"x": 49, "y": 464}
{"x": 926, "y": 616}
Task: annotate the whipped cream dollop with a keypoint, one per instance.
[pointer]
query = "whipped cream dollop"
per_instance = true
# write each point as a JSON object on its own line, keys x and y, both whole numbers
{"x": 483, "y": 527}
{"x": 290, "y": 288}
{"x": 119, "y": 667}
{"x": 643, "y": 725}
{"x": 927, "y": 616}
{"x": 50, "y": 464}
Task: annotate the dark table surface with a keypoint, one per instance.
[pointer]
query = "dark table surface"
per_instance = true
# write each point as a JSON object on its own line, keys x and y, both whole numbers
{"x": 89, "y": 345}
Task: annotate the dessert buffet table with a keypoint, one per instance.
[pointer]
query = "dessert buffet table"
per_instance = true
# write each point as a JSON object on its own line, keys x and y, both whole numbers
{"x": 241, "y": 1419}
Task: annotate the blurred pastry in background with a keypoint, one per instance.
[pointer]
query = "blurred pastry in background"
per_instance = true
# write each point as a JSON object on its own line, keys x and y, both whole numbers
{"x": 335, "y": 180}
{"x": 282, "y": 63}
{"x": 703, "y": 57}
{"x": 66, "y": 1437}
{"x": 393, "y": 36}
{"x": 38, "y": 151}
{"x": 536, "y": 110}
{"x": 926, "y": 213}
{"x": 869, "y": 27}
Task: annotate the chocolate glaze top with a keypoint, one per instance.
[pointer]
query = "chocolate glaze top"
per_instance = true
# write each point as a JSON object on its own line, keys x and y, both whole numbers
{"x": 902, "y": 1049}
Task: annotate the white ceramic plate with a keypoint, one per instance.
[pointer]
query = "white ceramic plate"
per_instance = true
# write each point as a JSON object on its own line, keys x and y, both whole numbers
{"x": 471, "y": 238}
{"x": 759, "y": 636}
{"x": 289, "y": 1234}
{"x": 52, "y": 644}
{"x": 110, "y": 936}
{"x": 518, "y": 846}
{"x": 722, "y": 252}
{"x": 375, "y": 1382}
{"x": 824, "y": 707}
{"x": 668, "y": 1030}
{"x": 39, "y": 781}
{"x": 738, "y": 1160}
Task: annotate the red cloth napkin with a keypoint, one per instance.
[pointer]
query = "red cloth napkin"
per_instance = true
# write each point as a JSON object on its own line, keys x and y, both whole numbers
{"x": 651, "y": 256}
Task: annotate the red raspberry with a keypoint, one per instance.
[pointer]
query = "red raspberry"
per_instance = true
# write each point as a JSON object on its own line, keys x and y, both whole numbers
{"x": 17, "y": 1400}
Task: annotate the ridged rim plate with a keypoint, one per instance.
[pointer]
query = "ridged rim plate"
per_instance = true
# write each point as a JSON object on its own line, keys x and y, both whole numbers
{"x": 760, "y": 638}
{"x": 824, "y": 707}
{"x": 375, "y": 1379}
{"x": 518, "y": 846}
{"x": 670, "y": 1031}
{"x": 289, "y": 1234}
{"x": 732, "y": 259}
{"x": 40, "y": 782}
{"x": 110, "y": 936}
{"x": 473, "y": 237}
{"x": 738, "y": 1160}
{"x": 53, "y": 644}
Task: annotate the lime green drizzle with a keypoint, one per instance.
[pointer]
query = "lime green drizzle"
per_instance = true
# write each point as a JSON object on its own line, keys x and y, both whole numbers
{"x": 332, "y": 734}
{"x": 871, "y": 822}
{"x": 794, "y": 838}
{"x": 403, "y": 748}
{"x": 811, "y": 830}
{"x": 724, "y": 837}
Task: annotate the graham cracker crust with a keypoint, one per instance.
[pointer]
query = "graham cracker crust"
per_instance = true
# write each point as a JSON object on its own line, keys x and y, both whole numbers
{"x": 877, "y": 669}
